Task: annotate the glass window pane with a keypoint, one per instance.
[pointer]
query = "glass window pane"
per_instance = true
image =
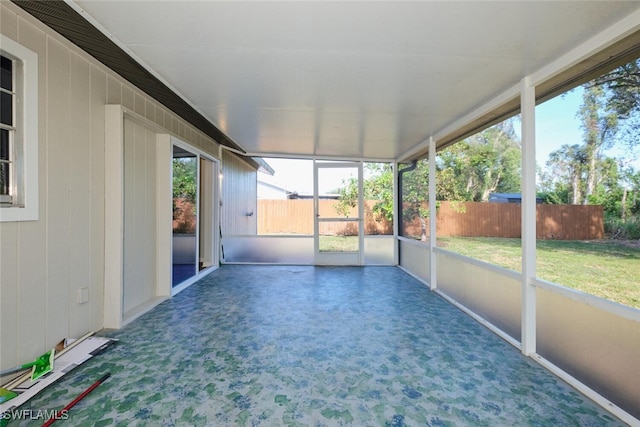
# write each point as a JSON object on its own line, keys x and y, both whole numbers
{"x": 338, "y": 192}
{"x": 185, "y": 215}
{"x": 4, "y": 179}
{"x": 4, "y": 167}
{"x": 6, "y": 74}
{"x": 378, "y": 198}
{"x": 414, "y": 203}
{"x": 479, "y": 197}
{"x": 4, "y": 144}
{"x": 6, "y": 108}
{"x": 589, "y": 185}
{"x": 285, "y": 199}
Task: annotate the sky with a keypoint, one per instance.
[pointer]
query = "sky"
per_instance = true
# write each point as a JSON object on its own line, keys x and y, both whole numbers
{"x": 556, "y": 124}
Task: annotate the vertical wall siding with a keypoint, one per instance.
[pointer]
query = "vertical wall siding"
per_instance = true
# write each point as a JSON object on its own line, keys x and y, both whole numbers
{"x": 29, "y": 279}
{"x": 59, "y": 168}
{"x": 239, "y": 197}
{"x": 80, "y": 220}
{"x": 44, "y": 263}
{"x": 139, "y": 215}
{"x": 97, "y": 196}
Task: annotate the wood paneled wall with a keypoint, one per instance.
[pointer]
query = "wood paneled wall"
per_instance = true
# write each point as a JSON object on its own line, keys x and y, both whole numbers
{"x": 239, "y": 197}
{"x": 140, "y": 216}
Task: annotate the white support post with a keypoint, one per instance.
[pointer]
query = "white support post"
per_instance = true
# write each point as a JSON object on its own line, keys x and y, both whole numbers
{"x": 396, "y": 214}
{"x": 432, "y": 215}
{"x": 360, "y": 213}
{"x": 527, "y": 109}
{"x": 164, "y": 213}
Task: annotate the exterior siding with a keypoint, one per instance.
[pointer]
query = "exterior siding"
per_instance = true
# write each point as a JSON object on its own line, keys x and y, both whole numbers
{"x": 44, "y": 263}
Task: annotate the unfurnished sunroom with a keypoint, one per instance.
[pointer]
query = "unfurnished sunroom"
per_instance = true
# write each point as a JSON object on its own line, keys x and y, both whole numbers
{"x": 134, "y": 135}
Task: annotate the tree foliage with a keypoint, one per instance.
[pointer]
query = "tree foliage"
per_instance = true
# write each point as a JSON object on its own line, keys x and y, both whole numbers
{"x": 484, "y": 163}
{"x": 609, "y": 116}
{"x": 184, "y": 178}
{"x": 467, "y": 171}
{"x": 585, "y": 173}
{"x": 621, "y": 88}
{"x": 377, "y": 186}
{"x": 185, "y": 189}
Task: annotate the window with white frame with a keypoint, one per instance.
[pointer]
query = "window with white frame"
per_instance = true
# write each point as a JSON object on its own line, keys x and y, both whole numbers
{"x": 18, "y": 132}
{"x": 7, "y": 130}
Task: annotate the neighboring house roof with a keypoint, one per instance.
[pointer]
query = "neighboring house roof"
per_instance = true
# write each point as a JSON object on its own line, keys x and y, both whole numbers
{"x": 274, "y": 187}
{"x": 509, "y": 197}
{"x": 294, "y": 194}
{"x": 505, "y": 195}
{"x": 310, "y": 196}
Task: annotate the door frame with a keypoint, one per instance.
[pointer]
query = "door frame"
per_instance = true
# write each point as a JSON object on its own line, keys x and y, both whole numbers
{"x": 337, "y": 258}
{"x": 213, "y": 237}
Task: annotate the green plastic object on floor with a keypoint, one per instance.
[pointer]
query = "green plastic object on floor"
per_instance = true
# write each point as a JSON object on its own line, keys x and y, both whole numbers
{"x": 6, "y": 394}
{"x": 41, "y": 366}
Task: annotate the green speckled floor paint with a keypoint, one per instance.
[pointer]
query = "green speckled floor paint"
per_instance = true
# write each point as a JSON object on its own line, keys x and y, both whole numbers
{"x": 314, "y": 346}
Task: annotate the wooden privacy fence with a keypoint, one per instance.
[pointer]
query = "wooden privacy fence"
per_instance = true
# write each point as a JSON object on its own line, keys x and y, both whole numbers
{"x": 295, "y": 216}
{"x": 475, "y": 219}
{"x": 465, "y": 219}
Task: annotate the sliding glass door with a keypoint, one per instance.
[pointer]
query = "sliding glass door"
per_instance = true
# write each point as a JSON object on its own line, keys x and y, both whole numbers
{"x": 185, "y": 215}
{"x": 193, "y": 240}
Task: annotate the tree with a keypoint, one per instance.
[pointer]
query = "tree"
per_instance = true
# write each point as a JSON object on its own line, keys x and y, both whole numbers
{"x": 622, "y": 94}
{"x": 467, "y": 171}
{"x": 184, "y": 178}
{"x": 415, "y": 195}
{"x": 484, "y": 163}
{"x": 184, "y": 193}
{"x": 608, "y": 116}
{"x": 599, "y": 124}
{"x": 630, "y": 182}
{"x": 377, "y": 185}
{"x": 566, "y": 167}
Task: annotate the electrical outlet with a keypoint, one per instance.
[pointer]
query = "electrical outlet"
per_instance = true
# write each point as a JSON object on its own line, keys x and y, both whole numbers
{"x": 83, "y": 295}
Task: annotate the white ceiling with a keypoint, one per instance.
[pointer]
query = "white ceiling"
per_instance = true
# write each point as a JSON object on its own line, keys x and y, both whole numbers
{"x": 346, "y": 79}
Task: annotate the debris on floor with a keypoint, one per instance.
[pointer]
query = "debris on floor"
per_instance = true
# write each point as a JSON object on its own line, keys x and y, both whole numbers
{"x": 70, "y": 354}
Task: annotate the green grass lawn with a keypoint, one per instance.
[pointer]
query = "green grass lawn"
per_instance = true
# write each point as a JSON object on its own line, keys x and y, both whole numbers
{"x": 605, "y": 268}
{"x": 338, "y": 243}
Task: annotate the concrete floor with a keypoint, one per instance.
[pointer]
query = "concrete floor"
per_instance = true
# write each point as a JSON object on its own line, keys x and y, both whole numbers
{"x": 314, "y": 346}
